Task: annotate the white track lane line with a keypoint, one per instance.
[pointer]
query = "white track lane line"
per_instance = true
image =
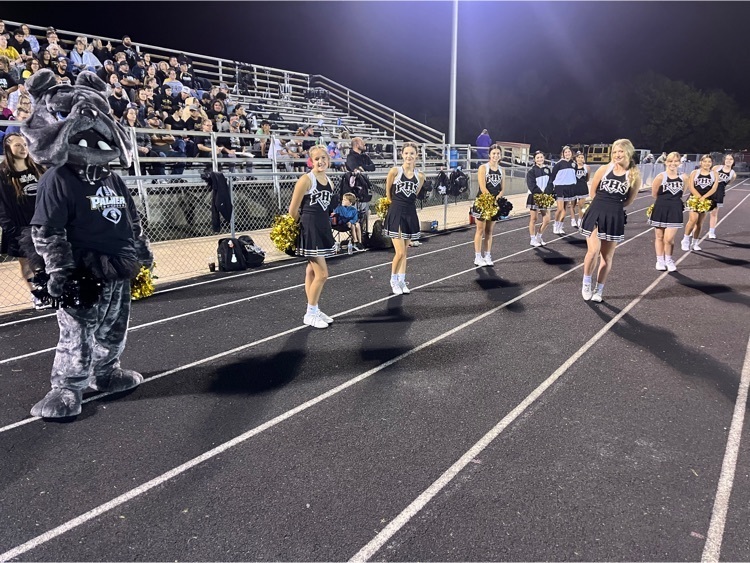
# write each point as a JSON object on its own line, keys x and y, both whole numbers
{"x": 256, "y": 272}
{"x": 163, "y": 478}
{"x": 715, "y": 535}
{"x": 372, "y": 547}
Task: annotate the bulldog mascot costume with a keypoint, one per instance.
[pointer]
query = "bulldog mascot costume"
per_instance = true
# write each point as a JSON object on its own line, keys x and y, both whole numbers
{"x": 87, "y": 235}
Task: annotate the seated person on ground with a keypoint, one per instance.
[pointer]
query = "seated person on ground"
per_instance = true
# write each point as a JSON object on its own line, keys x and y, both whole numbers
{"x": 346, "y": 213}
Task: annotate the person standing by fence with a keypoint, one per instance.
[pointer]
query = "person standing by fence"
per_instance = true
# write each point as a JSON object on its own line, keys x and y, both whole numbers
{"x": 484, "y": 141}
{"x": 310, "y": 202}
{"x": 19, "y": 176}
{"x": 613, "y": 188}
{"x": 401, "y": 222}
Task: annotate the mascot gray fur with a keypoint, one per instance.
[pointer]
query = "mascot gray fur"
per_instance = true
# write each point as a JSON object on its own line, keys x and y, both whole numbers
{"x": 85, "y": 220}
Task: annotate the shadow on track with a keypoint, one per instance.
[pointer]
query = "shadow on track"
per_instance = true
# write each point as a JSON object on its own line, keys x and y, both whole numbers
{"x": 663, "y": 345}
{"x": 499, "y": 290}
{"x": 384, "y": 332}
{"x": 721, "y": 292}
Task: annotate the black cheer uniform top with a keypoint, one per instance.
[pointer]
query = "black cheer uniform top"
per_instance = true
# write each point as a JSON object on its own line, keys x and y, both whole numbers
{"x": 493, "y": 180}
{"x": 671, "y": 189}
{"x": 704, "y": 182}
{"x": 404, "y": 190}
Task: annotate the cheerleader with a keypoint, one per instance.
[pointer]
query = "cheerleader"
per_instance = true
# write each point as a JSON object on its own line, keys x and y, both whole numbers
{"x": 537, "y": 182}
{"x": 310, "y": 202}
{"x": 702, "y": 183}
{"x": 726, "y": 174}
{"x": 564, "y": 180}
{"x": 491, "y": 181}
{"x": 581, "y": 189}
{"x": 614, "y": 187}
{"x": 19, "y": 176}
{"x": 401, "y": 222}
{"x": 666, "y": 216}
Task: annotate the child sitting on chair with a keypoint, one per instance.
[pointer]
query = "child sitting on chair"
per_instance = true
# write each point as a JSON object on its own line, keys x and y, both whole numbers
{"x": 347, "y": 212}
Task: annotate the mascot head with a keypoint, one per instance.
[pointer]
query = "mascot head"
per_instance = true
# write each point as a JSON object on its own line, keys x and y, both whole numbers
{"x": 72, "y": 123}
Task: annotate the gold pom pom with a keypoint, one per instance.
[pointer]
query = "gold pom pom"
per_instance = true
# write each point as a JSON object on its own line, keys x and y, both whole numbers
{"x": 544, "y": 201}
{"x": 650, "y": 210}
{"x": 698, "y": 205}
{"x": 284, "y": 233}
{"x": 143, "y": 284}
{"x": 381, "y": 207}
{"x": 486, "y": 206}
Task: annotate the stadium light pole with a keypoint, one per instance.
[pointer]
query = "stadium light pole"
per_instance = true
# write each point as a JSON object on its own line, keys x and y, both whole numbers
{"x": 454, "y": 61}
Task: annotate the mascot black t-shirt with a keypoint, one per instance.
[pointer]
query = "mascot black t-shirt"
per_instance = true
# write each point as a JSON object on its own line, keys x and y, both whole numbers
{"x": 95, "y": 216}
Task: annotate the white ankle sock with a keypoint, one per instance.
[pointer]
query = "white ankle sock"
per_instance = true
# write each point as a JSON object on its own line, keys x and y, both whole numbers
{"x": 312, "y": 309}
{"x": 667, "y": 258}
{"x": 586, "y": 280}
{"x": 477, "y": 255}
{"x": 394, "y": 278}
{"x": 401, "y": 277}
{"x": 599, "y": 287}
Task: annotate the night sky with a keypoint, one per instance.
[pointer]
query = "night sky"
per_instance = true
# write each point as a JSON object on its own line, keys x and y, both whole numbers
{"x": 399, "y": 52}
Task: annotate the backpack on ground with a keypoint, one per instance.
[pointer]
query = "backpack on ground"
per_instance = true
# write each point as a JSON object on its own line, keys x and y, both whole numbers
{"x": 230, "y": 255}
{"x": 254, "y": 254}
{"x": 377, "y": 239}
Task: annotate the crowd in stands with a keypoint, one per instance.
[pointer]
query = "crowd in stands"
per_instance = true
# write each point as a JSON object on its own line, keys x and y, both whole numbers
{"x": 165, "y": 94}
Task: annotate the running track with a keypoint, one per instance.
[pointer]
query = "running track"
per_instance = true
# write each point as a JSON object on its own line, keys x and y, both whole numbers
{"x": 490, "y": 415}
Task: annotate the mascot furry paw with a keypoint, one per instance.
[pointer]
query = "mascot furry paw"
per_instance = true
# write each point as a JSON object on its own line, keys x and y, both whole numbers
{"x": 85, "y": 227}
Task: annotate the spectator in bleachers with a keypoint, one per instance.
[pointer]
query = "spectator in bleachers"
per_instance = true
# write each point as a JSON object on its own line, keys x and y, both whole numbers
{"x": 265, "y": 129}
{"x": 175, "y": 122}
{"x": 245, "y": 122}
{"x": 128, "y": 49}
{"x": 162, "y": 71}
{"x": 5, "y": 112}
{"x": 32, "y": 67}
{"x": 344, "y": 144}
{"x": 101, "y": 51}
{"x": 111, "y": 85}
{"x": 45, "y": 59}
{"x": 81, "y": 59}
{"x": 19, "y": 43}
{"x": 173, "y": 63}
{"x": 21, "y": 114}
{"x": 307, "y": 144}
{"x": 139, "y": 69}
{"x": 294, "y": 150}
{"x": 217, "y": 112}
{"x": 128, "y": 81}
{"x": 8, "y": 84}
{"x": 357, "y": 160}
{"x": 163, "y": 144}
{"x": 9, "y": 52}
{"x": 118, "y": 101}
{"x": 145, "y": 106}
{"x": 142, "y": 140}
{"x": 28, "y": 36}
{"x": 194, "y": 121}
{"x": 177, "y": 86}
{"x": 52, "y": 40}
{"x": 184, "y": 76}
{"x": 203, "y": 142}
{"x": 484, "y": 142}
{"x": 62, "y": 74}
{"x": 164, "y": 101}
{"x": 151, "y": 73}
{"x": 3, "y": 29}
{"x": 107, "y": 69}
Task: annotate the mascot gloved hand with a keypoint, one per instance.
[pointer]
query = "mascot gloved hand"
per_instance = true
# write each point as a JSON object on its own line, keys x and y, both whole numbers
{"x": 85, "y": 227}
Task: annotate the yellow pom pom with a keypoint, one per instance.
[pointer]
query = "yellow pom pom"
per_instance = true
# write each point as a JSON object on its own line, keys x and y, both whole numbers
{"x": 698, "y": 205}
{"x": 284, "y": 233}
{"x": 143, "y": 284}
{"x": 381, "y": 207}
{"x": 486, "y": 206}
{"x": 544, "y": 201}
{"x": 650, "y": 210}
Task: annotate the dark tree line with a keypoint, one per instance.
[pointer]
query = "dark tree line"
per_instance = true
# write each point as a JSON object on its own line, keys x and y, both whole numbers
{"x": 652, "y": 110}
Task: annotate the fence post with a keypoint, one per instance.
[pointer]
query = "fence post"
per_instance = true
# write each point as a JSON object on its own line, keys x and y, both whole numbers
{"x": 274, "y": 169}
{"x": 221, "y": 78}
{"x": 231, "y": 198}
{"x": 214, "y": 150}
{"x": 445, "y": 211}
{"x": 137, "y": 169}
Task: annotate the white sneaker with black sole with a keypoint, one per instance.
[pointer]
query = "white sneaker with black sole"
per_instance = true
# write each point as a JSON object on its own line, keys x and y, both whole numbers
{"x": 586, "y": 292}
{"x": 696, "y": 247}
{"x": 661, "y": 266}
{"x": 596, "y": 297}
{"x": 685, "y": 244}
{"x": 479, "y": 261}
{"x": 671, "y": 266}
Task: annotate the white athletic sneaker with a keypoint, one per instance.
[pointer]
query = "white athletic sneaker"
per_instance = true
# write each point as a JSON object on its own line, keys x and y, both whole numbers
{"x": 404, "y": 287}
{"x": 540, "y": 240}
{"x": 488, "y": 260}
{"x": 661, "y": 266}
{"x": 597, "y": 297}
{"x": 560, "y": 231}
{"x": 573, "y": 223}
{"x": 325, "y": 317}
{"x": 711, "y": 235}
{"x": 535, "y": 241}
{"x": 586, "y": 292}
{"x": 315, "y": 321}
{"x": 671, "y": 266}
{"x": 685, "y": 244}
{"x": 479, "y": 261}
{"x": 396, "y": 288}
{"x": 696, "y": 247}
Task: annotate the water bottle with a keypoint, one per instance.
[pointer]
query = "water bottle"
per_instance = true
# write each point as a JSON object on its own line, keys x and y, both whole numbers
{"x": 350, "y": 248}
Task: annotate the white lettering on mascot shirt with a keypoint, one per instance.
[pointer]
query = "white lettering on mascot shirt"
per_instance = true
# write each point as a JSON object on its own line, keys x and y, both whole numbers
{"x": 109, "y": 203}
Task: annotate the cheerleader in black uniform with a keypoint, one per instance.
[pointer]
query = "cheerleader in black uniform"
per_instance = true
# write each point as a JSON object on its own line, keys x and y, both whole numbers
{"x": 310, "y": 202}
{"x": 581, "y": 189}
{"x": 614, "y": 187}
{"x": 726, "y": 175}
{"x": 702, "y": 183}
{"x": 666, "y": 217}
{"x": 19, "y": 176}
{"x": 564, "y": 179}
{"x": 537, "y": 181}
{"x": 401, "y": 222}
{"x": 490, "y": 177}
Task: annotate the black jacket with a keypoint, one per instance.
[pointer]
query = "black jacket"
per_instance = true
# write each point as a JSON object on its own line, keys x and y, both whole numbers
{"x": 221, "y": 198}
{"x": 356, "y": 160}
